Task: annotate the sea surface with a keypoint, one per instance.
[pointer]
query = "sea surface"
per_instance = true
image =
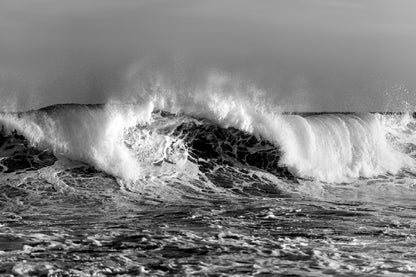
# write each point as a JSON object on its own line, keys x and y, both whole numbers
{"x": 127, "y": 190}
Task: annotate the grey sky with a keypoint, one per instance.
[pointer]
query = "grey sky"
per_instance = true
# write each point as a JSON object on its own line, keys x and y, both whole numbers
{"x": 314, "y": 55}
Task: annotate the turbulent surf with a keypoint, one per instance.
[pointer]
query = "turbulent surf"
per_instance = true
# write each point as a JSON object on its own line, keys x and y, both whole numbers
{"x": 132, "y": 142}
{"x": 186, "y": 174}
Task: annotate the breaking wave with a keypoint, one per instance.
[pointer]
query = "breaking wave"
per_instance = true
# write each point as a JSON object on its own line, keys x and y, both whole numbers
{"x": 135, "y": 142}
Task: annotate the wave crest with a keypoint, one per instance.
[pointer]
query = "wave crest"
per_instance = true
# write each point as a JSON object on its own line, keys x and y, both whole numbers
{"x": 135, "y": 142}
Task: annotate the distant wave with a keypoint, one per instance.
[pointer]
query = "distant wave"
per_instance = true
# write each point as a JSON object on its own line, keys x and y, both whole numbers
{"x": 133, "y": 141}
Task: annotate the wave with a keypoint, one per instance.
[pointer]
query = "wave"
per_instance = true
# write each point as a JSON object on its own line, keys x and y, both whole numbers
{"x": 136, "y": 142}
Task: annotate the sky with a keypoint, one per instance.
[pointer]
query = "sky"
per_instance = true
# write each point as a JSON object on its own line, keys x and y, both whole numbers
{"x": 306, "y": 55}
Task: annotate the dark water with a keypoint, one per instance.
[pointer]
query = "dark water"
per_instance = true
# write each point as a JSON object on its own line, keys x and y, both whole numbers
{"x": 242, "y": 216}
{"x": 102, "y": 230}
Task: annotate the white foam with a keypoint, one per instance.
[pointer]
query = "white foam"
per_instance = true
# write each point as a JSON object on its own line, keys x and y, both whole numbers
{"x": 338, "y": 147}
{"x": 91, "y": 135}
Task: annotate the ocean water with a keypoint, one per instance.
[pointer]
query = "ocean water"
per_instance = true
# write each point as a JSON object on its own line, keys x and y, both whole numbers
{"x": 217, "y": 188}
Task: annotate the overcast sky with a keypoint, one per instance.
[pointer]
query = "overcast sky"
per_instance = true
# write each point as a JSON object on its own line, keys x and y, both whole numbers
{"x": 311, "y": 55}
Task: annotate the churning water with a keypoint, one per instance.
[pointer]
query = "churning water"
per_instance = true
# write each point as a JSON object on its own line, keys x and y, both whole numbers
{"x": 220, "y": 187}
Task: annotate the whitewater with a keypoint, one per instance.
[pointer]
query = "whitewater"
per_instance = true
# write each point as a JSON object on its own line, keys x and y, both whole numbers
{"x": 124, "y": 139}
{"x": 206, "y": 184}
